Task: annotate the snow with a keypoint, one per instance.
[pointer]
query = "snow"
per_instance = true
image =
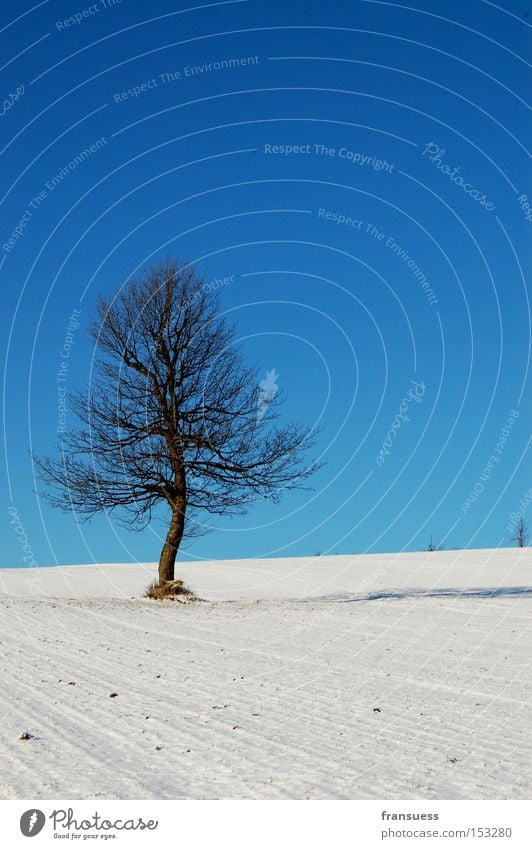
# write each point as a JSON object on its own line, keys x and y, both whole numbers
{"x": 374, "y": 676}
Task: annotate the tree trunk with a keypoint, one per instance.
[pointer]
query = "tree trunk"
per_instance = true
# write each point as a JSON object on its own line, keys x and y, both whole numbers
{"x": 172, "y": 543}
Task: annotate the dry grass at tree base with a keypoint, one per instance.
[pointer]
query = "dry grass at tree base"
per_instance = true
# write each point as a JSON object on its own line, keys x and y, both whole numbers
{"x": 171, "y": 590}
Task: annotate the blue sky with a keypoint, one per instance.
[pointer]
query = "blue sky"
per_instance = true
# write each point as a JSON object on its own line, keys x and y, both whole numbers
{"x": 360, "y": 171}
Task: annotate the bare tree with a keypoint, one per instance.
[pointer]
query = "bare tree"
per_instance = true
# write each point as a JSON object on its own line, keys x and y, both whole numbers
{"x": 172, "y": 416}
{"x": 521, "y": 534}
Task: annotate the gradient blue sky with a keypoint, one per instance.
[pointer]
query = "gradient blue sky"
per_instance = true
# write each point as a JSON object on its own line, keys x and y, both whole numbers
{"x": 182, "y": 169}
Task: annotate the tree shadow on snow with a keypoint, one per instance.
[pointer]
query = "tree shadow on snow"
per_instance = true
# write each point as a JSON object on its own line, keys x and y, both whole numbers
{"x": 484, "y": 592}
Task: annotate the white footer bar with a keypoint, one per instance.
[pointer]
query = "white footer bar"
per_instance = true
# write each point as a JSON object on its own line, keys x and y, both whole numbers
{"x": 252, "y": 824}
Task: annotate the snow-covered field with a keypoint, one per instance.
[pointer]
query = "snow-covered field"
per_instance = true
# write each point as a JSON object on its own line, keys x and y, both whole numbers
{"x": 385, "y": 676}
